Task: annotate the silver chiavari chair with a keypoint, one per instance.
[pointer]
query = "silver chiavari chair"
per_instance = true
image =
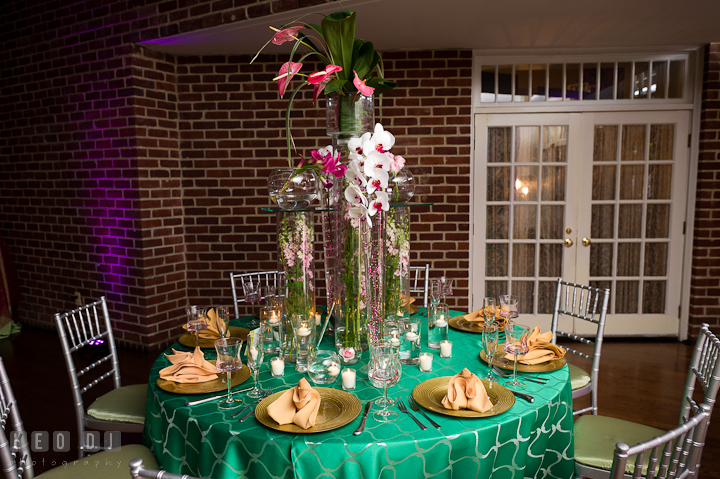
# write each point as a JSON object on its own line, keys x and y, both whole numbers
{"x": 137, "y": 470}
{"x": 597, "y": 436}
{"x": 588, "y": 304}
{"x": 420, "y": 281}
{"x": 263, "y": 278}
{"x": 123, "y": 408}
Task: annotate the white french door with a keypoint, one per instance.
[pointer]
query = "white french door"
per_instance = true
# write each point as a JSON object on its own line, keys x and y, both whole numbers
{"x": 595, "y": 198}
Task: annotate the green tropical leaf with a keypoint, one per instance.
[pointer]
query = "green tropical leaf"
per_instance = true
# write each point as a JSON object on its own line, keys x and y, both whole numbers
{"x": 335, "y": 84}
{"x": 381, "y": 85}
{"x": 339, "y": 33}
{"x": 365, "y": 58}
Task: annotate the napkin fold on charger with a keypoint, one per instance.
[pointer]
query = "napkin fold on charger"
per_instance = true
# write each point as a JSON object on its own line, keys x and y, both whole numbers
{"x": 212, "y": 331}
{"x": 479, "y": 317}
{"x": 298, "y": 405}
{"x": 188, "y": 368}
{"x": 540, "y": 349}
{"x": 466, "y": 391}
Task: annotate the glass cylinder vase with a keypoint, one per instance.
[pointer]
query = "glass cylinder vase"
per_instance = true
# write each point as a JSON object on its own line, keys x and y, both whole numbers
{"x": 397, "y": 259}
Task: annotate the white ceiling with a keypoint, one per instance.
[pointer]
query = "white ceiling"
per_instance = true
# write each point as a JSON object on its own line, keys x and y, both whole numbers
{"x": 486, "y": 25}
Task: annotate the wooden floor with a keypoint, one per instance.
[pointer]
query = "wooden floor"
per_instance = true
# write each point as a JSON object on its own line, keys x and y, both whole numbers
{"x": 641, "y": 381}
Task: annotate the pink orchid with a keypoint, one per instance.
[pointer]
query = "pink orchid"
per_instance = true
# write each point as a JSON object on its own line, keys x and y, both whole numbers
{"x": 319, "y": 158}
{"x": 361, "y": 86}
{"x": 285, "y": 35}
{"x": 333, "y": 166}
{"x": 322, "y": 75}
{"x": 287, "y": 71}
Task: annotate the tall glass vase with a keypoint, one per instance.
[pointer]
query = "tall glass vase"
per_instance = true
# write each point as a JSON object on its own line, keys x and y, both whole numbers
{"x": 397, "y": 259}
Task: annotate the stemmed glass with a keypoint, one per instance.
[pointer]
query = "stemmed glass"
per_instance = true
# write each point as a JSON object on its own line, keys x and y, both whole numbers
{"x": 196, "y": 322}
{"x": 508, "y": 306}
{"x": 515, "y": 344}
{"x": 446, "y": 286}
{"x": 435, "y": 291}
{"x": 255, "y": 355}
{"x": 223, "y": 320}
{"x": 252, "y": 296}
{"x": 385, "y": 371}
{"x": 489, "y": 343}
{"x": 489, "y": 309}
{"x": 228, "y": 360}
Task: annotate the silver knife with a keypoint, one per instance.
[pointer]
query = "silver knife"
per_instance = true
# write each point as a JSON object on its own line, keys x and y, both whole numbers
{"x": 202, "y": 401}
{"x": 526, "y": 397}
{"x": 361, "y": 428}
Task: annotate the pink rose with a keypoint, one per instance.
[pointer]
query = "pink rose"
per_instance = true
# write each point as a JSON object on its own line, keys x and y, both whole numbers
{"x": 347, "y": 353}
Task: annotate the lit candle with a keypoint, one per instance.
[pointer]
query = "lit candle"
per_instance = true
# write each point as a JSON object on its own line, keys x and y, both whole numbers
{"x": 318, "y": 317}
{"x": 395, "y": 341}
{"x": 303, "y": 331}
{"x": 348, "y": 379}
{"x": 411, "y": 336}
{"x": 278, "y": 366}
{"x": 333, "y": 370}
{"x": 441, "y": 322}
{"x": 445, "y": 349}
{"x": 426, "y": 362}
{"x": 274, "y": 318}
{"x": 253, "y": 353}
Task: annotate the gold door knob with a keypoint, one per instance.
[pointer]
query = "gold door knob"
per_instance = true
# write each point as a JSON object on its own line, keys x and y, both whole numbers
{"x": 568, "y": 242}
{"x": 586, "y": 241}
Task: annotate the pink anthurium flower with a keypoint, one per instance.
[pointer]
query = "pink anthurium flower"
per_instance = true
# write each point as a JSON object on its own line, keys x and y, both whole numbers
{"x": 287, "y": 71}
{"x": 361, "y": 86}
{"x": 318, "y": 89}
{"x": 286, "y": 34}
{"x": 323, "y": 75}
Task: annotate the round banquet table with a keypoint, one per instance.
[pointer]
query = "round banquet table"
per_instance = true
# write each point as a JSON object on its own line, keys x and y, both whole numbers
{"x": 529, "y": 440}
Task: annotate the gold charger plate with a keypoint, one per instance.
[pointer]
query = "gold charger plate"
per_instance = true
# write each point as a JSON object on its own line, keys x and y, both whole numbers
{"x": 238, "y": 377}
{"x": 462, "y": 324}
{"x": 500, "y": 361}
{"x": 337, "y": 408}
{"x": 429, "y": 394}
{"x": 188, "y": 339}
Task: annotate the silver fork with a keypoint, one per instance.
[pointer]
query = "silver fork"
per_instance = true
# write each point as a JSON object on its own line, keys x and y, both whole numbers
{"x": 413, "y": 405}
{"x": 524, "y": 378}
{"x": 401, "y": 407}
{"x": 255, "y": 403}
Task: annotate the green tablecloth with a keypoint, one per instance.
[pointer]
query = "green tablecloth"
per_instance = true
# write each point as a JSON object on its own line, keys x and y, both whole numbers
{"x": 529, "y": 440}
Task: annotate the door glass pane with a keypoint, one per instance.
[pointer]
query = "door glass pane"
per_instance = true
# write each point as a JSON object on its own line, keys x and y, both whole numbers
{"x": 555, "y": 144}
{"x": 624, "y": 82}
{"x": 661, "y": 142}
{"x": 523, "y": 259}
{"x": 607, "y": 81}
{"x": 631, "y": 182}
{"x": 659, "y": 182}
{"x": 642, "y": 80}
{"x": 628, "y": 259}
{"x": 633, "y": 143}
{"x": 602, "y": 223}
{"x": 605, "y": 143}
{"x": 522, "y": 82}
{"x": 499, "y": 143}
{"x": 546, "y": 296}
{"x": 603, "y": 186}
{"x": 626, "y": 297}
{"x": 658, "y": 221}
{"x": 655, "y": 259}
{"x": 677, "y": 75}
{"x": 572, "y": 81}
{"x": 590, "y": 81}
{"x": 630, "y": 224}
{"x": 494, "y": 289}
{"x": 524, "y": 222}
{"x": 525, "y": 290}
{"x": 654, "y": 297}
{"x": 496, "y": 259}
{"x": 601, "y": 259}
{"x": 496, "y": 222}
{"x": 551, "y": 221}
{"x": 538, "y": 83}
{"x": 498, "y": 184}
{"x": 556, "y": 82}
{"x": 504, "y": 84}
{"x": 487, "y": 80}
{"x": 553, "y": 183}
{"x": 527, "y": 144}
{"x": 657, "y": 81}
{"x": 551, "y": 260}
{"x": 526, "y": 178}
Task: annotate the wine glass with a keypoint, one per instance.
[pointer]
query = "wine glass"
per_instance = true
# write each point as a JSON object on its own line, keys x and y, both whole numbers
{"x": 508, "y": 306}
{"x": 228, "y": 360}
{"x": 196, "y": 322}
{"x": 515, "y": 344}
{"x": 252, "y": 296}
{"x": 385, "y": 371}
{"x": 489, "y": 343}
{"x": 435, "y": 292}
{"x": 223, "y": 320}
{"x": 446, "y": 286}
{"x": 255, "y": 356}
{"x": 489, "y": 309}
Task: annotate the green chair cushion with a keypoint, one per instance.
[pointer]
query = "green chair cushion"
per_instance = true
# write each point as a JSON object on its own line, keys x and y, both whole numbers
{"x": 124, "y": 404}
{"x": 595, "y": 438}
{"x": 578, "y": 377}
{"x": 104, "y": 464}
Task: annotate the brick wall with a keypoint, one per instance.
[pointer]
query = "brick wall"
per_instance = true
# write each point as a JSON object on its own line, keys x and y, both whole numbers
{"x": 705, "y": 288}
{"x": 139, "y": 175}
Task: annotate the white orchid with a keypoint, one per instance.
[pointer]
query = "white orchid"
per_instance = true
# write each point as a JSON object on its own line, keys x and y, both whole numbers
{"x": 379, "y": 181}
{"x": 383, "y": 139}
{"x": 355, "y": 144}
{"x": 360, "y": 212}
{"x": 381, "y": 202}
{"x": 354, "y": 173}
{"x": 374, "y": 160}
{"x": 354, "y": 195}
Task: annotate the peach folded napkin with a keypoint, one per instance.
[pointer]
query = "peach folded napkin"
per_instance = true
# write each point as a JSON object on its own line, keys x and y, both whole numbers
{"x": 188, "y": 368}
{"x": 479, "y": 317}
{"x": 540, "y": 349}
{"x": 298, "y": 405}
{"x": 212, "y": 331}
{"x": 466, "y": 391}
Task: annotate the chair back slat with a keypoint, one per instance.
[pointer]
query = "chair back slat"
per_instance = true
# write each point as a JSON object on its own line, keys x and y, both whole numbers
{"x": 420, "y": 281}
{"x": 705, "y": 369}
{"x": 264, "y": 278}
{"x": 14, "y": 458}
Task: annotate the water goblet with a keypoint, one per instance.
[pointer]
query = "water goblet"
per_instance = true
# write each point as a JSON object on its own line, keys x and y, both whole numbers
{"x": 446, "y": 285}
{"x": 508, "y": 306}
{"x": 489, "y": 343}
{"x": 435, "y": 291}
{"x": 386, "y": 371}
{"x": 228, "y": 360}
{"x": 196, "y": 322}
{"x": 252, "y": 296}
{"x": 255, "y": 355}
{"x": 222, "y": 315}
{"x": 515, "y": 344}
{"x": 489, "y": 309}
